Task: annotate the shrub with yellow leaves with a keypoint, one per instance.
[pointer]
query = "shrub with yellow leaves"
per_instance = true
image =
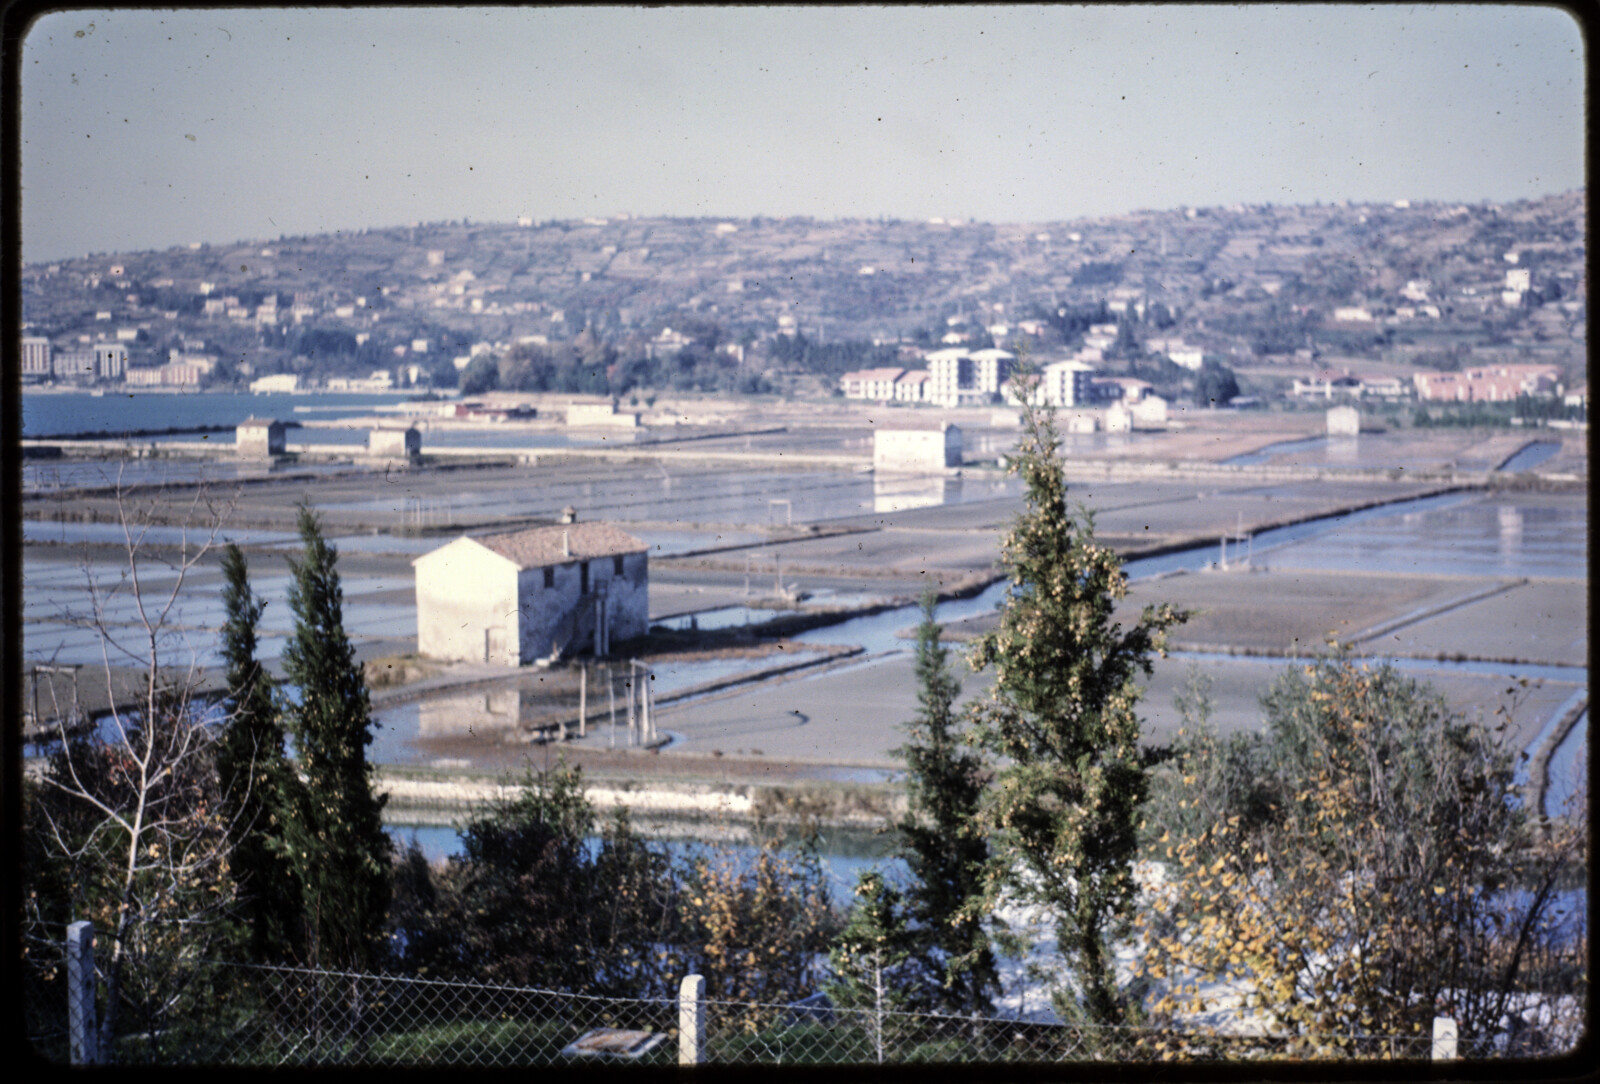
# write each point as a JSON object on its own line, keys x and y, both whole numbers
{"x": 1379, "y": 869}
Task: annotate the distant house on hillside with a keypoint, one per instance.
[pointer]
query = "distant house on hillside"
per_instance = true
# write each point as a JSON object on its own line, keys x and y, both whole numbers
{"x": 518, "y": 596}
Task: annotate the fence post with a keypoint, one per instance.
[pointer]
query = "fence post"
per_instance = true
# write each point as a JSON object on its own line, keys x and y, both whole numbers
{"x": 1444, "y": 1039}
{"x": 81, "y": 1024}
{"x": 691, "y": 1021}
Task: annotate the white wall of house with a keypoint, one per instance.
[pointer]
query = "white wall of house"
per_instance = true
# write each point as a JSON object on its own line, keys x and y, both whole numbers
{"x": 1344, "y": 421}
{"x": 917, "y": 449}
{"x": 467, "y": 604}
{"x": 394, "y": 443}
{"x": 259, "y": 438}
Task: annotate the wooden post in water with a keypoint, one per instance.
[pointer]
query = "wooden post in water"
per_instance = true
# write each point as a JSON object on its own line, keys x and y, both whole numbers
{"x": 611, "y": 696}
{"x": 646, "y": 723}
{"x": 633, "y": 689}
{"x": 583, "y": 701}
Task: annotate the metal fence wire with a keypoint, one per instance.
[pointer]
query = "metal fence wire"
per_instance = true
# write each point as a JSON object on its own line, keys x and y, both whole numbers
{"x": 241, "y": 1014}
{"x": 286, "y": 1016}
{"x": 813, "y": 1032}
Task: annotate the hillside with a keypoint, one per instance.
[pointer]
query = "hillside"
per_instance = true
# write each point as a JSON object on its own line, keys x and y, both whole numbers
{"x": 1269, "y": 289}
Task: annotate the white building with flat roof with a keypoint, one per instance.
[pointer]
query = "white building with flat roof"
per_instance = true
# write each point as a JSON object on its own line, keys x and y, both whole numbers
{"x": 36, "y": 357}
{"x": 949, "y": 373}
{"x": 1066, "y": 383}
{"x": 991, "y": 368}
{"x": 276, "y": 383}
{"x": 584, "y": 415}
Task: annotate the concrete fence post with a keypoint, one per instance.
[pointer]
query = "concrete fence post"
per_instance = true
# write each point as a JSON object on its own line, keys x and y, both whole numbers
{"x": 691, "y": 1021}
{"x": 82, "y": 1026}
{"x": 1444, "y": 1039}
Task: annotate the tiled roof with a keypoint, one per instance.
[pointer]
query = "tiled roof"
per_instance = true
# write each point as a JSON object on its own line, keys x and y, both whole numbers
{"x": 540, "y": 546}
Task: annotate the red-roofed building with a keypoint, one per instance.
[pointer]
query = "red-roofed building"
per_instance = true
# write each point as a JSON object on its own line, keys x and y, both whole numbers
{"x": 1488, "y": 384}
{"x": 912, "y": 387}
{"x": 543, "y": 592}
{"x": 870, "y": 383}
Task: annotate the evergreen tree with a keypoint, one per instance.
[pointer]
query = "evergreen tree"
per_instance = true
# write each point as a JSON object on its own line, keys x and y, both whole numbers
{"x": 872, "y": 960}
{"x": 333, "y": 836}
{"x": 944, "y": 843}
{"x": 1061, "y": 719}
{"x": 252, "y": 774}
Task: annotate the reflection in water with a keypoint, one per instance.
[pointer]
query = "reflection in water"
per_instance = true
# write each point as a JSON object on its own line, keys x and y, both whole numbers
{"x": 892, "y": 493}
{"x": 841, "y": 864}
{"x": 1510, "y": 529}
{"x": 452, "y": 714}
{"x": 1344, "y": 450}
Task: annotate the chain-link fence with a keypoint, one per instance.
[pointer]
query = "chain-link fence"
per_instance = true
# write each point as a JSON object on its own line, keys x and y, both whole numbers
{"x": 239, "y": 1014}
{"x": 813, "y": 1032}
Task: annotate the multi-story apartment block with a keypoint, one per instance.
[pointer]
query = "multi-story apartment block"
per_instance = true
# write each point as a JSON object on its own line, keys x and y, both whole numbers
{"x": 110, "y": 359}
{"x": 36, "y": 357}
{"x": 949, "y": 374}
{"x": 991, "y": 369}
{"x": 1067, "y": 384}
{"x": 75, "y": 365}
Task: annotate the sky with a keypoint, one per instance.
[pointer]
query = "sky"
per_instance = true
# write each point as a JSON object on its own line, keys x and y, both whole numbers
{"x": 148, "y": 129}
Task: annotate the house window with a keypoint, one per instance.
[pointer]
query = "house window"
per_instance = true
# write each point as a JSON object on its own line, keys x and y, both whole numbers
{"x": 616, "y": 565}
{"x": 583, "y": 578}
{"x": 549, "y": 577}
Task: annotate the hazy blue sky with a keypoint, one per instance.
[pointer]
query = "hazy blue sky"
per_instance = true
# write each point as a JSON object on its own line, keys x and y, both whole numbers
{"x": 148, "y": 129}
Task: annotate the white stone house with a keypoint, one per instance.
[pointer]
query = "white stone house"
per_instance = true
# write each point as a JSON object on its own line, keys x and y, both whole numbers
{"x": 394, "y": 442}
{"x": 920, "y": 448}
{"x": 514, "y": 597}
{"x": 1344, "y": 421}
{"x": 260, "y": 437}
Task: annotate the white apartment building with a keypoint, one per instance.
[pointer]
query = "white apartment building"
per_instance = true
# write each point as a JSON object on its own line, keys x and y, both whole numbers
{"x": 949, "y": 372}
{"x": 36, "y": 356}
{"x": 1066, "y": 383}
{"x": 991, "y": 369}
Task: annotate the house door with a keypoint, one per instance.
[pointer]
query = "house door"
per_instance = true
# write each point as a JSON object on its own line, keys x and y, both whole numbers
{"x": 494, "y": 645}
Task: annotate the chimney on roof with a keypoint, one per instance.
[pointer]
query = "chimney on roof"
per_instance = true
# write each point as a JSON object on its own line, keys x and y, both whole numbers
{"x": 566, "y": 543}
{"x": 569, "y": 514}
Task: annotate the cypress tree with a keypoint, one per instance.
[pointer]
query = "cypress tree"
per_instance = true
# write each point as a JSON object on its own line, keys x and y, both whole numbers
{"x": 253, "y": 774}
{"x": 944, "y": 845}
{"x": 334, "y": 830}
{"x": 1061, "y": 717}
